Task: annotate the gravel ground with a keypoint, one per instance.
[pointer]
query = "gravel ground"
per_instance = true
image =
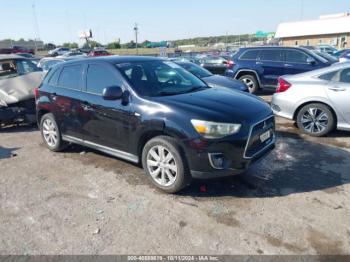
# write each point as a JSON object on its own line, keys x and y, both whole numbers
{"x": 296, "y": 201}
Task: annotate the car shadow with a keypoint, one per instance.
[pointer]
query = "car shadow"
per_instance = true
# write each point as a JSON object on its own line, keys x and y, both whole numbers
{"x": 22, "y": 128}
{"x": 295, "y": 166}
{"x": 7, "y": 152}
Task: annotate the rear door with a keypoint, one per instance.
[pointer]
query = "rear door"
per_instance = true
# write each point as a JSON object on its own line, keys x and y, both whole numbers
{"x": 107, "y": 123}
{"x": 338, "y": 91}
{"x": 272, "y": 66}
{"x": 66, "y": 100}
{"x": 296, "y": 62}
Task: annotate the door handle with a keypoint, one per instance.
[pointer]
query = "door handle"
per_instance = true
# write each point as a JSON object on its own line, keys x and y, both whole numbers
{"x": 288, "y": 65}
{"x": 259, "y": 63}
{"x": 54, "y": 96}
{"x": 336, "y": 88}
{"x": 86, "y": 106}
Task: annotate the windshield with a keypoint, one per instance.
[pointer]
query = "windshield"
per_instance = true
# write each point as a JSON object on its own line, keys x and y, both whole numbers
{"x": 196, "y": 70}
{"x": 326, "y": 56}
{"x": 160, "y": 78}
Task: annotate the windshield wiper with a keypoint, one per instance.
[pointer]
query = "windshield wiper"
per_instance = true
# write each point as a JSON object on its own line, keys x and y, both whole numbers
{"x": 169, "y": 93}
{"x": 196, "y": 88}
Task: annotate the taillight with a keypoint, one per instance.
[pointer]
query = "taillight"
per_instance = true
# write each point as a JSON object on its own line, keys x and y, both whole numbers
{"x": 230, "y": 64}
{"x": 283, "y": 85}
{"x": 36, "y": 93}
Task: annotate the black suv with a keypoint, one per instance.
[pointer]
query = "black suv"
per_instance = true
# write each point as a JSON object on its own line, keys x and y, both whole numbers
{"x": 260, "y": 67}
{"x": 154, "y": 112}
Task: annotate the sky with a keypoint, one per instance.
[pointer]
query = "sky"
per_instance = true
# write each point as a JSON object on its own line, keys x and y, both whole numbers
{"x": 60, "y": 21}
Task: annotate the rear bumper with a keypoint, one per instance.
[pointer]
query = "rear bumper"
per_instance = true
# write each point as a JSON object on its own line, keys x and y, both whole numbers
{"x": 282, "y": 106}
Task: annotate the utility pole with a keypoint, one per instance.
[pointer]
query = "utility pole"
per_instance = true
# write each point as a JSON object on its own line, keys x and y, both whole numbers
{"x": 302, "y": 10}
{"x": 36, "y": 25}
{"x": 136, "y": 29}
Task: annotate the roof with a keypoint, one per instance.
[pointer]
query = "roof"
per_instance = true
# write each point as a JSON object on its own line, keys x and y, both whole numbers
{"x": 6, "y": 57}
{"x": 325, "y": 26}
{"x": 117, "y": 59}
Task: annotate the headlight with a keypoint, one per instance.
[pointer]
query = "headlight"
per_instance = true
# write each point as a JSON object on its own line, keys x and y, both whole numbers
{"x": 215, "y": 130}
{"x": 2, "y": 103}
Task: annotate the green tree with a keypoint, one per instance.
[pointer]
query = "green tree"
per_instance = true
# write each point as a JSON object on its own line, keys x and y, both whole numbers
{"x": 94, "y": 44}
{"x": 114, "y": 45}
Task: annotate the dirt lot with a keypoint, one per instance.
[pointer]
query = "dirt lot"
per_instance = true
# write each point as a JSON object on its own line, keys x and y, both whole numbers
{"x": 296, "y": 201}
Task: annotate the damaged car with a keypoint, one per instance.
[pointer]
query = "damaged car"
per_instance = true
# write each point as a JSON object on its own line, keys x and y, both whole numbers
{"x": 18, "y": 79}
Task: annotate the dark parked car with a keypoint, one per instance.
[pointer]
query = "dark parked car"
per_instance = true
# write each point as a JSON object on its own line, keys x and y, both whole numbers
{"x": 16, "y": 50}
{"x": 341, "y": 53}
{"x": 211, "y": 79}
{"x": 215, "y": 64}
{"x": 150, "y": 111}
{"x": 260, "y": 67}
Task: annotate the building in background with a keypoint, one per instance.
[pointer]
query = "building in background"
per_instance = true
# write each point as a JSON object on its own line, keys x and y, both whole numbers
{"x": 8, "y": 43}
{"x": 331, "y": 30}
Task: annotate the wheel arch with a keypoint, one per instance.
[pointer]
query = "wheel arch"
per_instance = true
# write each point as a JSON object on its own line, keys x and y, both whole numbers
{"x": 40, "y": 113}
{"x": 243, "y": 72}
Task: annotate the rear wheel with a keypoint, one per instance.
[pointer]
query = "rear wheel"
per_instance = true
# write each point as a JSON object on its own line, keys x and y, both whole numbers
{"x": 51, "y": 133}
{"x": 316, "y": 120}
{"x": 251, "y": 82}
{"x": 165, "y": 165}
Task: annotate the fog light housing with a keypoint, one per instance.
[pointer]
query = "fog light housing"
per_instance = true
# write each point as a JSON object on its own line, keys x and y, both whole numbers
{"x": 217, "y": 160}
{"x": 276, "y": 108}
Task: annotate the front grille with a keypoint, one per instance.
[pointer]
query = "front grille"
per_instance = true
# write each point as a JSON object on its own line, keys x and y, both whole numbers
{"x": 255, "y": 145}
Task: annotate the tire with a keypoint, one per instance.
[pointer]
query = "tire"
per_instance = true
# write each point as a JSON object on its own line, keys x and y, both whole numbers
{"x": 251, "y": 82}
{"x": 51, "y": 134}
{"x": 316, "y": 120}
{"x": 169, "y": 180}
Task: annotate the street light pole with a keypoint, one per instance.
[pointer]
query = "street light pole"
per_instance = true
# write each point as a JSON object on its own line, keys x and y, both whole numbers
{"x": 136, "y": 29}
{"x": 36, "y": 25}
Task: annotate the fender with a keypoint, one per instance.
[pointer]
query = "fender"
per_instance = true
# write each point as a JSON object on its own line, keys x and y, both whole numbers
{"x": 250, "y": 71}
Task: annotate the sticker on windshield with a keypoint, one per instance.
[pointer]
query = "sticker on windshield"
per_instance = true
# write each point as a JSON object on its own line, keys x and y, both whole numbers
{"x": 122, "y": 65}
{"x": 172, "y": 65}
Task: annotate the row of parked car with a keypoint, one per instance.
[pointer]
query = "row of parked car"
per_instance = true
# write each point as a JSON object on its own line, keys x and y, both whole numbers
{"x": 174, "y": 117}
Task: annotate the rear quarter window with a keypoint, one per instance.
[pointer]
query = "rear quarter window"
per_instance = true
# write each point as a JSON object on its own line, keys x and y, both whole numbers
{"x": 53, "y": 77}
{"x": 328, "y": 76}
{"x": 70, "y": 77}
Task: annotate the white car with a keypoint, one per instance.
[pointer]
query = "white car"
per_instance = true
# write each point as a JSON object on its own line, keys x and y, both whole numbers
{"x": 317, "y": 100}
{"x": 59, "y": 51}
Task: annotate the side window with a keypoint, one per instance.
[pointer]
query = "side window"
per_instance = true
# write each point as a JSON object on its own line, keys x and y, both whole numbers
{"x": 344, "y": 76}
{"x": 328, "y": 76}
{"x": 54, "y": 77}
{"x": 271, "y": 55}
{"x": 250, "y": 55}
{"x": 293, "y": 56}
{"x": 70, "y": 77}
{"x": 99, "y": 77}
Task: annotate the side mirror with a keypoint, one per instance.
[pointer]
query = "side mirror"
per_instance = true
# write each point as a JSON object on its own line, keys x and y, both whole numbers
{"x": 112, "y": 93}
{"x": 311, "y": 61}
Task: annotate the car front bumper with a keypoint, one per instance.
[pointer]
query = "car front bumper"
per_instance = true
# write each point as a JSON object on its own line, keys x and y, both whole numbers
{"x": 231, "y": 156}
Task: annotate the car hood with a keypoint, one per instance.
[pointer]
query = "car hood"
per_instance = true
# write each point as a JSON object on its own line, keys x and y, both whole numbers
{"x": 19, "y": 88}
{"x": 223, "y": 81}
{"x": 217, "y": 104}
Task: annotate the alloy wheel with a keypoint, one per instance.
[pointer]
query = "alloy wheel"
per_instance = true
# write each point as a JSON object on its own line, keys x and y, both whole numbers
{"x": 315, "y": 120}
{"x": 50, "y": 132}
{"x": 249, "y": 83}
{"x": 162, "y": 166}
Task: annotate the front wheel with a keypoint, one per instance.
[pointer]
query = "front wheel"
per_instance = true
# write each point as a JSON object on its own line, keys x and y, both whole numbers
{"x": 316, "y": 120}
{"x": 165, "y": 164}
